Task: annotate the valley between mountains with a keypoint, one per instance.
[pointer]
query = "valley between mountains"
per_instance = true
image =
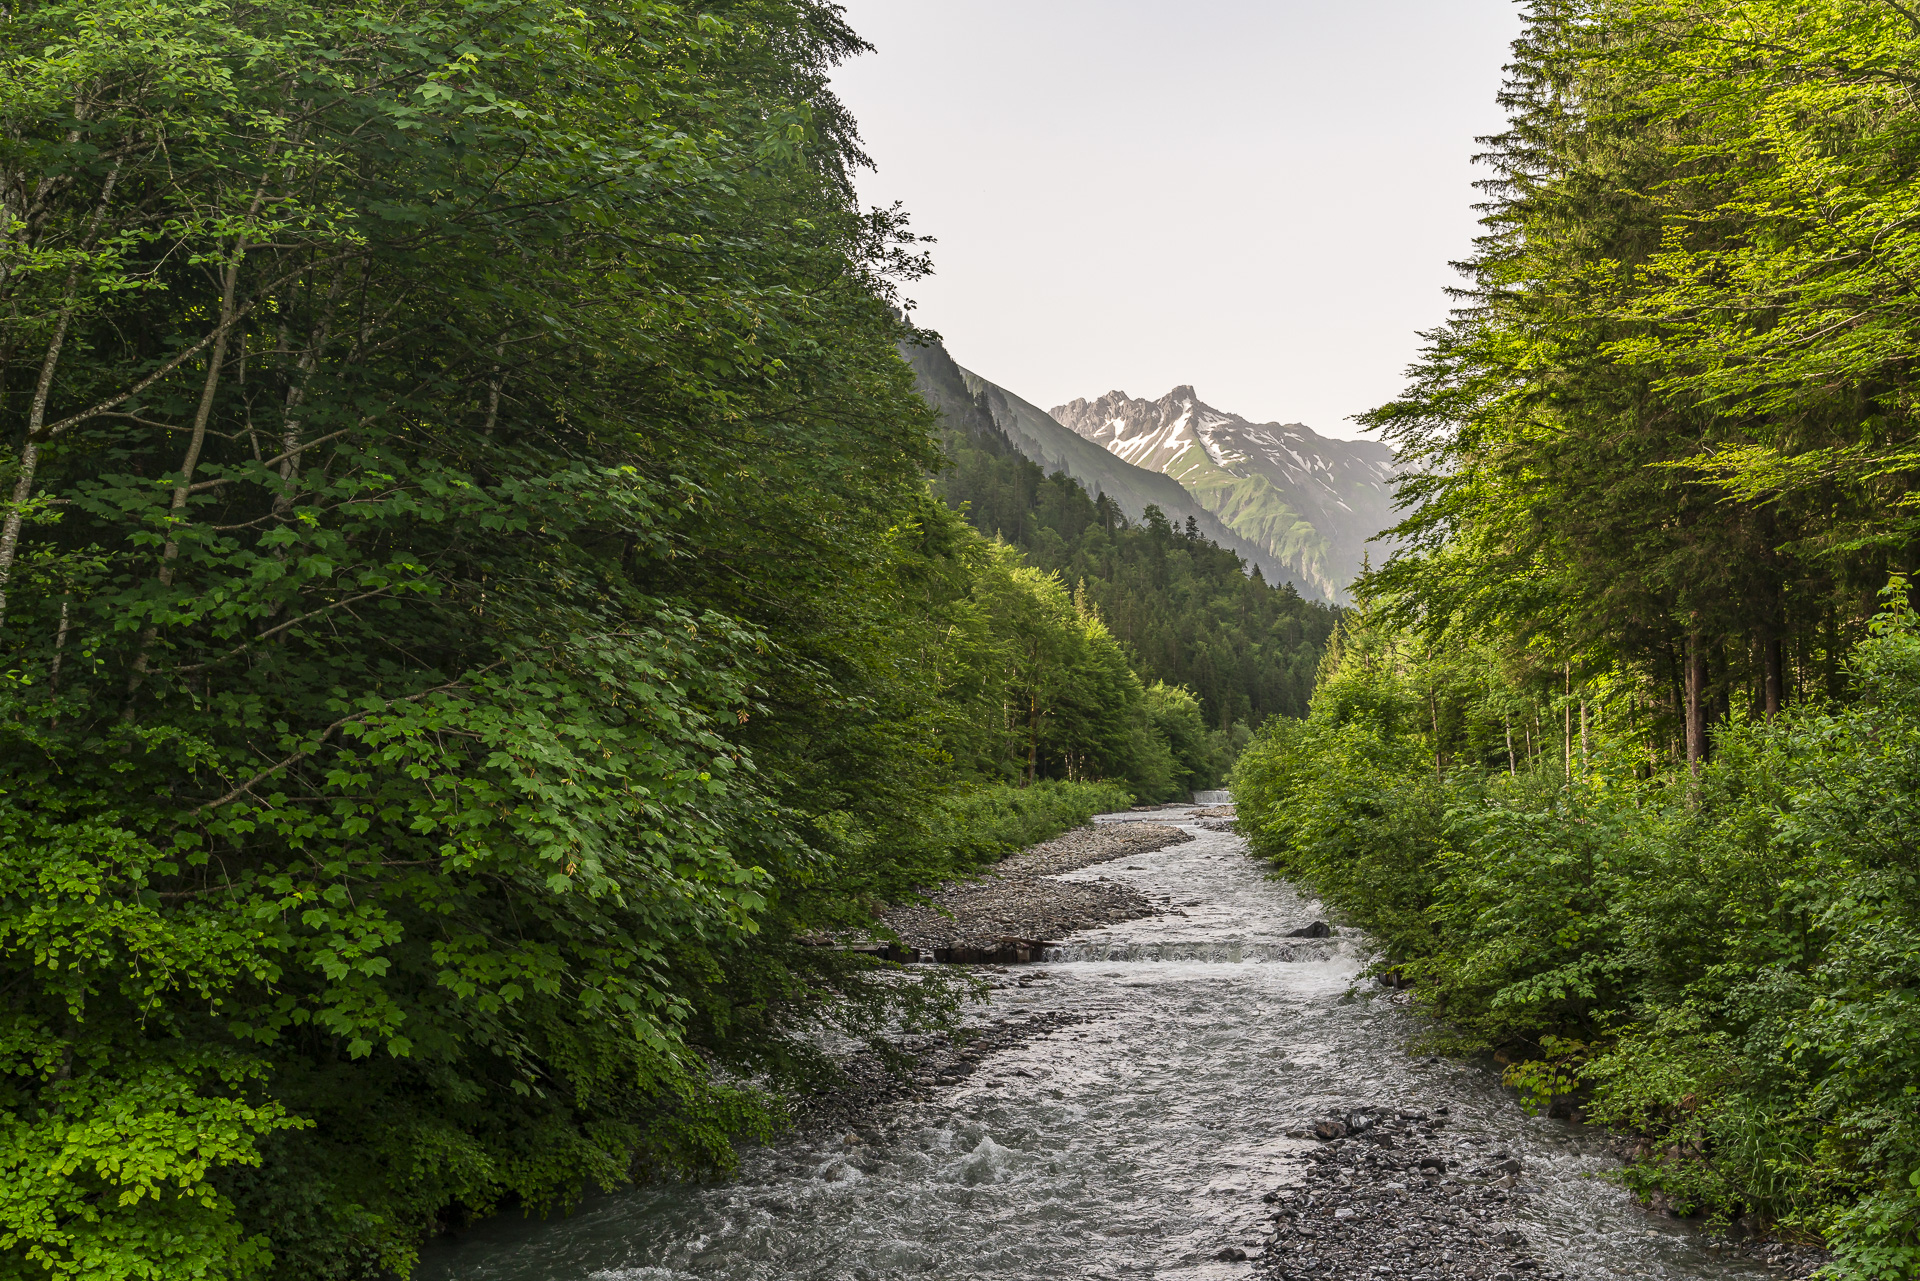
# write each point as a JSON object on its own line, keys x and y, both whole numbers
{"x": 525, "y": 670}
{"x": 1300, "y": 506}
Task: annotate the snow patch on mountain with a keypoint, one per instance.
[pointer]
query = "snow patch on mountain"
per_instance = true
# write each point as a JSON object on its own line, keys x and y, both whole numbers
{"x": 1313, "y": 501}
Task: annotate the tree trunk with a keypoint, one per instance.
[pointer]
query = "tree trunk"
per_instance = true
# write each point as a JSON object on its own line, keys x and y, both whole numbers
{"x": 1773, "y": 695}
{"x": 1584, "y": 758}
{"x": 1676, "y": 690}
{"x": 196, "y": 441}
{"x": 1835, "y": 685}
{"x": 1033, "y": 735}
{"x": 30, "y": 451}
{"x": 1696, "y": 703}
{"x": 59, "y": 647}
{"x": 37, "y": 408}
{"x": 1433, "y": 707}
{"x": 1566, "y": 733}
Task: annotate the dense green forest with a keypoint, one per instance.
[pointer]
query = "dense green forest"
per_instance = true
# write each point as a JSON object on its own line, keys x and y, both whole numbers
{"x": 1187, "y": 609}
{"x": 475, "y": 616}
{"x": 1620, "y": 757}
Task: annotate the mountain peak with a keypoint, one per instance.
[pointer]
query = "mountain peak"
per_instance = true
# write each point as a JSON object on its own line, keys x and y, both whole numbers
{"x": 1313, "y": 502}
{"x": 1001, "y": 420}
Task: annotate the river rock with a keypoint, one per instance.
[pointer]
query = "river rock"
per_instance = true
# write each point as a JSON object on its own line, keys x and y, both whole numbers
{"x": 867, "y": 1082}
{"x": 1358, "y": 1216}
{"x": 1009, "y": 915}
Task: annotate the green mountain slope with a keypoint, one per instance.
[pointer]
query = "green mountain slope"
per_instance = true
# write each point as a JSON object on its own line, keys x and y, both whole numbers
{"x": 1254, "y": 507}
{"x": 1189, "y": 609}
{"x": 986, "y": 411}
{"x": 1306, "y": 501}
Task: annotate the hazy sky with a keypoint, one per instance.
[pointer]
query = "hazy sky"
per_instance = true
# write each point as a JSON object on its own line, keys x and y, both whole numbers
{"x": 1258, "y": 197}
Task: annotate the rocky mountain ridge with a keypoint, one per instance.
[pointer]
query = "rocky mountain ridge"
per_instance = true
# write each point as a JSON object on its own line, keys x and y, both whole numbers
{"x": 989, "y": 412}
{"x": 1308, "y": 501}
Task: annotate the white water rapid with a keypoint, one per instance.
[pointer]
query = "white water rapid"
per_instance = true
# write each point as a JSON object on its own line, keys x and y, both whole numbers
{"x": 1136, "y": 1144}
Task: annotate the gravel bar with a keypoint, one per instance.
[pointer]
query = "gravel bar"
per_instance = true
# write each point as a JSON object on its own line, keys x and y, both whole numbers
{"x": 1386, "y": 1195}
{"x": 1010, "y": 914}
{"x": 1085, "y": 846}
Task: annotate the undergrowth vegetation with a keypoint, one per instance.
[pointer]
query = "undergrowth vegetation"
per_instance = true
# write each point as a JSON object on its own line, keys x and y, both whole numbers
{"x": 473, "y": 618}
{"x": 1620, "y": 760}
{"x": 1726, "y": 965}
{"x": 986, "y": 824}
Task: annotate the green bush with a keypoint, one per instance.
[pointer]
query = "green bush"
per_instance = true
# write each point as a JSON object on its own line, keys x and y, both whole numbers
{"x": 1731, "y": 968}
{"x": 987, "y": 824}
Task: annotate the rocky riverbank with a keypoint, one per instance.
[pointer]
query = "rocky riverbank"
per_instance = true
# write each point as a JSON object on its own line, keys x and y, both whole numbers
{"x": 1009, "y": 914}
{"x": 1384, "y": 1194}
{"x": 1129, "y": 1112}
{"x": 1387, "y": 1195}
{"x": 1014, "y": 909}
{"x": 869, "y": 1083}
{"x": 1086, "y": 846}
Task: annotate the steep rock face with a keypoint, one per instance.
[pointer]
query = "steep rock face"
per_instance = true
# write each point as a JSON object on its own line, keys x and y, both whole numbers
{"x": 1307, "y": 501}
{"x": 999, "y": 419}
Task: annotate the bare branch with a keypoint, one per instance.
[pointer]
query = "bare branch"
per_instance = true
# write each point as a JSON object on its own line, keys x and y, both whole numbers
{"x": 329, "y": 732}
{"x": 1904, "y": 12}
{"x": 295, "y": 452}
{"x": 271, "y": 631}
{"x": 240, "y": 313}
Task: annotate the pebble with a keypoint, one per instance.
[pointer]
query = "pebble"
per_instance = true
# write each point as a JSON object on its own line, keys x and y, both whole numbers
{"x": 1011, "y": 913}
{"x": 1385, "y": 1195}
{"x": 1377, "y": 1200}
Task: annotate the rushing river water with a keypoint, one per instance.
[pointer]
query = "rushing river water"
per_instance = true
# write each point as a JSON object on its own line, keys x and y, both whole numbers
{"x": 1135, "y": 1144}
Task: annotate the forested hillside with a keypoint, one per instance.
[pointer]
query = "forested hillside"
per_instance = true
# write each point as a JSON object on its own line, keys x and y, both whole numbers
{"x": 994, "y": 416}
{"x": 1187, "y": 609}
{"x": 475, "y": 618}
{"x": 1620, "y": 756}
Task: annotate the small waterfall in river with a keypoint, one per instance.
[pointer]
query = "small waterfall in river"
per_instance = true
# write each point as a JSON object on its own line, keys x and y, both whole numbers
{"x": 1133, "y": 1141}
{"x": 1204, "y": 951}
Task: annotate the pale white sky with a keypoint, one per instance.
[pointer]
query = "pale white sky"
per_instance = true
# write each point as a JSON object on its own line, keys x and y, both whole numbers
{"x": 1258, "y": 197}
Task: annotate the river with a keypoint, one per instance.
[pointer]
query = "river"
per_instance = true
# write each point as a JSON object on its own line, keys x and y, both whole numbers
{"x": 1134, "y": 1144}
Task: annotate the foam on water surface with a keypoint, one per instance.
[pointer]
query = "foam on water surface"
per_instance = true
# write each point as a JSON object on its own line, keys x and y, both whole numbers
{"x": 1136, "y": 1144}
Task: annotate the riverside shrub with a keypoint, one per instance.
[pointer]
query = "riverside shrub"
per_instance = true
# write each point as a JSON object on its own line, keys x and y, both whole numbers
{"x": 1727, "y": 968}
{"x": 990, "y": 823}
{"x": 471, "y": 609}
